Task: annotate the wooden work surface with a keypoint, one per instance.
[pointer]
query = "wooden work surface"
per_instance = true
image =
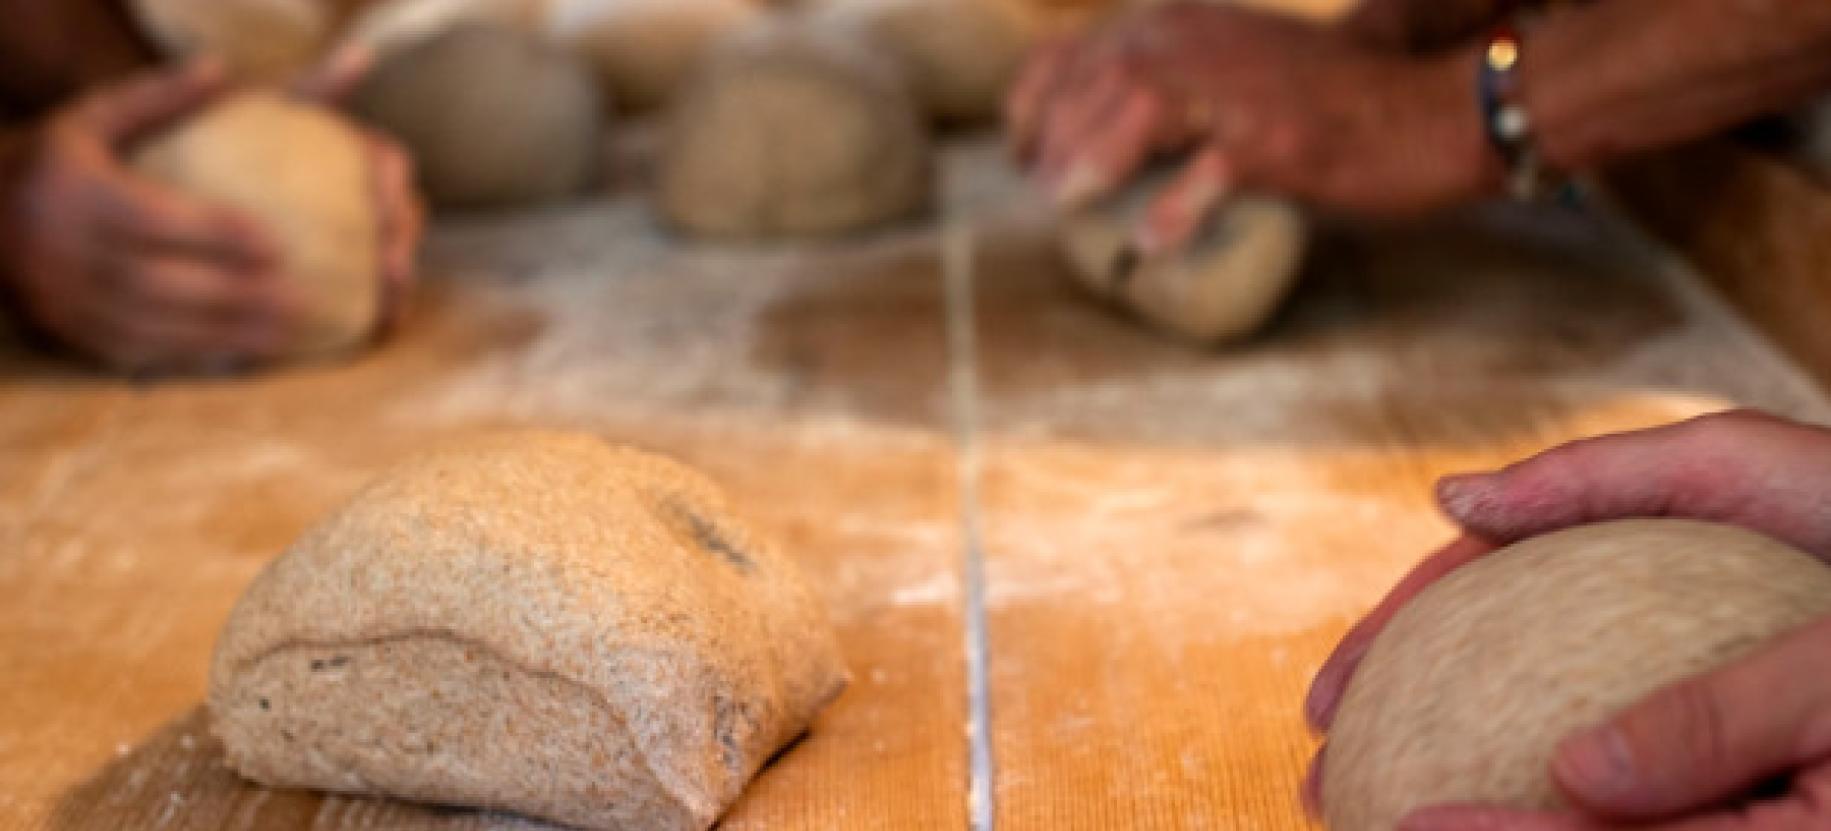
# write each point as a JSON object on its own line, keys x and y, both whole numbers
{"x": 1171, "y": 537}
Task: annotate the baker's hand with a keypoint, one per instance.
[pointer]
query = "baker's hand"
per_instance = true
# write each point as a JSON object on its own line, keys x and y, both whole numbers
{"x": 402, "y": 212}
{"x": 125, "y": 269}
{"x": 1686, "y": 757}
{"x": 1420, "y": 26}
{"x": 1741, "y": 468}
{"x": 1255, "y": 101}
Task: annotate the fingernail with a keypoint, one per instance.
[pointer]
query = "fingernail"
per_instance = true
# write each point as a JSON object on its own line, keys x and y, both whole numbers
{"x": 1076, "y": 187}
{"x": 1598, "y": 760}
{"x": 1464, "y": 494}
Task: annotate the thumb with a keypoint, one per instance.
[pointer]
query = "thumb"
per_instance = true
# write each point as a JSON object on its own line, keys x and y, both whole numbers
{"x": 127, "y": 112}
{"x": 1709, "y": 738}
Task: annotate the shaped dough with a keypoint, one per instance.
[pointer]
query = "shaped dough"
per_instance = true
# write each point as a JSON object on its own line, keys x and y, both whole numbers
{"x": 305, "y": 176}
{"x": 494, "y": 117}
{"x": 1224, "y": 286}
{"x": 644, "y": 50}
{"x": 1466, "y": 694}
{"x": 538, "y": 622}
{"x": 794, "y": 131}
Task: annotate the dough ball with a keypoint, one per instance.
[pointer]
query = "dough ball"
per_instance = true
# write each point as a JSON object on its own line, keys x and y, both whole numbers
{"x": 1466, "y": 694}
{"x": 1224, "y": 286}
{"x": 539, "y": 622}
{"x": 261, "y": 40}
{"x": 959, "y": 55}
{"x": 303, "y": 174}
{"x": 792, "y": 132}
{"x": 644, "y": 50}
{"x": 386, "y": 28}
{"x": 494, "y": 118}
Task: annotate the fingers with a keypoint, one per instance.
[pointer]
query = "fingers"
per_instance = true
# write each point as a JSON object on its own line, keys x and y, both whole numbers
{"x": 143, "y": 214}
{"x": 1101, "y": 160}
{"x": 1742, "y": 468}
{"x": 331, "y": 81}
{"x": 1479, "y": 818}
{"x": 1332, "y": 680}
{"x": 125, "y": 112}
{"x": 1178, "y": 211}
{"x": 1029, "y": 95}
{"x": 1703, "y": 740}
{"x": 403, "y": 222}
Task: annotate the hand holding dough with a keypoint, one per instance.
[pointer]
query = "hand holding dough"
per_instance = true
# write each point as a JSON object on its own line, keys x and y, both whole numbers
{"x": 1224, "y": 286}
{"x": 306, "y": 176}
{"x": 794, "y": 131}
{"x": 538, "y": 622}
{"x": 1465, "y": 695}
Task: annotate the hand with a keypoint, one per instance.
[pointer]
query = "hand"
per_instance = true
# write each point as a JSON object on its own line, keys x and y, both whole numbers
{"x": 1258, "y": 102}
{"x": 1691, "y": 753}
{"x": 1741, "y": 468}
{"x": 127, "y": 270}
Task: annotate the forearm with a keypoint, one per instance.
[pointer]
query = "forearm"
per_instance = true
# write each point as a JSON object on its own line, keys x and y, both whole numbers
{"x": 1624, "y": 76}
{"x": 1421, "y": 26}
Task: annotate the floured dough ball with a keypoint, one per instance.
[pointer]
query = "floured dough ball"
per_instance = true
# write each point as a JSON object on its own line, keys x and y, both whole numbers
{"x": 261, "y": 40}
{"x": 388, "y": 27}
{"x": 959, "y": 55}
{"x": 644, "y": 50}
{"x": 1224, "y": 286}
{"x": 304, "y": 175}
{"x": 793, "y": 131}
{"x": 493, "y": 117}
{"x": 1466, "y": 694}
{"x": 538, "y": 622}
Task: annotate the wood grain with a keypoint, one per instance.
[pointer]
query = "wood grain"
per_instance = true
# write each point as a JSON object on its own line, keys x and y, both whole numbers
{"x": 1175, "y": 536}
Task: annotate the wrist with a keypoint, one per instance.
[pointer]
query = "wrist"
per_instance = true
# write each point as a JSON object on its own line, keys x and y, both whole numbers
{"x": 1458, "y": 130}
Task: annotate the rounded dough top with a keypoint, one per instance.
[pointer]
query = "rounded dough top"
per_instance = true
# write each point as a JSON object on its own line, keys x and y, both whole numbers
{"x": 1466, "y": 694}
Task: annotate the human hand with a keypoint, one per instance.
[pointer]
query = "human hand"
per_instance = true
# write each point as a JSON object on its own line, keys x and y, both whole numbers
{"x": 1256, "y": 101}
{"x": 127, "y": 270}
{"x": 1741, "y": 468}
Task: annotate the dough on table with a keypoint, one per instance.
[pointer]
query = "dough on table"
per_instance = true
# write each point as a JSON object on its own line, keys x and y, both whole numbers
{"x": 960, "y": 56}
{"x": 794, "y": 131}
{"x": 1225, "y": 285}
{"x": 494, "y": 117}
{"x": 305, "y": 176}
{"x": 644, "y": 50}
{"x": 388, "y": 27}
{"x": 1466, "y": 694}
{"x": 260, "y": 40}
{"x": 537, "y": 622}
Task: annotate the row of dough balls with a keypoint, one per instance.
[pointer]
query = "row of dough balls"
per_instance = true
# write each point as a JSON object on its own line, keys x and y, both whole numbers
{"x": 504, "y": 102}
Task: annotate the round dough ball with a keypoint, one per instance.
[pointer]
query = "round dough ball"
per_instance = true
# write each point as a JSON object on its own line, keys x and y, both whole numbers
{"x": 960, "y": 55}
{"x": 261, "y": 40}
{"x": 790, "y": 132}
{"x": 386, "y": 28}
{"x": 1224, "y": 286}
{"x": 644, "y": 50}
{"x": 494, "y": 118}
{"x": 538, "y": 622}
{"x": 304, "y": 175}
{"x": 1466, "y": 694}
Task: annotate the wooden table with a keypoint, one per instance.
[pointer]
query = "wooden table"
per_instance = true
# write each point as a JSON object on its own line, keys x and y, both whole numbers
{"x": 1171, "y": 537}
